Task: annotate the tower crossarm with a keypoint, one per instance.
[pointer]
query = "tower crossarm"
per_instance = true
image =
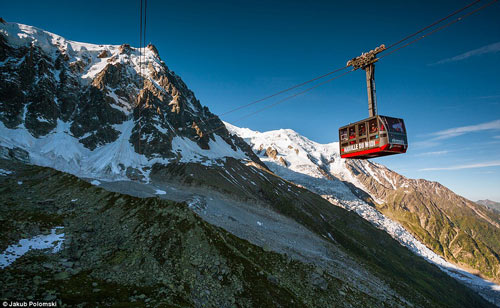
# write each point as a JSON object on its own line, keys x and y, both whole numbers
{"x": 366, "y": 58}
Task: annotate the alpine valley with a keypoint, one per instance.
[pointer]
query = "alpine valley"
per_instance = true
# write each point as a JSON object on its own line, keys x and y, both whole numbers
{"x": 118, "y": 188}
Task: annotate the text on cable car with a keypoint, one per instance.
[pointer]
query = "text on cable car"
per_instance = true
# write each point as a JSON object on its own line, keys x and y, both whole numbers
{"x": 361, "y": 145}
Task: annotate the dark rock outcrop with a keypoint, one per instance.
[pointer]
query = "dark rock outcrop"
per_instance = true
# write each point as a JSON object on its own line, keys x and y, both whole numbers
{"x": 271, "y": 152}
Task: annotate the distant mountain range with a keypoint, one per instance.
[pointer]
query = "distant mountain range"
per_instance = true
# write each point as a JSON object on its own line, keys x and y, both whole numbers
{"x": 453, "y": 227}
{"x": 105, "y": 113}
{"x": 490, "y": 204}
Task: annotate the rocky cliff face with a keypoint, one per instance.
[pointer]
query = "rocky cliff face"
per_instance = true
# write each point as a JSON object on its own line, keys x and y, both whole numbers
{"x": 98, "y": 98}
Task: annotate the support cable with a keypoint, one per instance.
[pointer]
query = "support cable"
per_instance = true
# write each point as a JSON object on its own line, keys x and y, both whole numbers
{"x": 440, "y": 28}
{"x": 342, "y": 68}
{"x": 433, "y": 24}
{"x": 140, "y": 76}
{"x": 383, "y": 56}
{"x": 285, "y": 99}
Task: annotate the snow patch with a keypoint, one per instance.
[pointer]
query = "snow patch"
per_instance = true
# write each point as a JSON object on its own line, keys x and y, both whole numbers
{"x": 53, "y": 240}
{"x": 191, "y": 152}
{"x": 4, "y": 172}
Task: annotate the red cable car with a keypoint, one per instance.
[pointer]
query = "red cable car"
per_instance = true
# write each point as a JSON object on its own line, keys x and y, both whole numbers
{"x": 377, "y": 135}
{"x": 373, "y": 137}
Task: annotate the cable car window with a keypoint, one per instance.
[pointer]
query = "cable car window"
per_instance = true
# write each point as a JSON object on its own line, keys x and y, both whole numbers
{"x": 382, "y": 126}
{"x": 343, "y": 134}
{"x": 373, "y": 126}
{"x": 395, "y": 125}
{"x": 352, "y": 132}
{"x": 362, "y": 129}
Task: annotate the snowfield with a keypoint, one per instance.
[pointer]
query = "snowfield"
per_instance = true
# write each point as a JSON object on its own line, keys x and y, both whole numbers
{"x": 61, "y": 151}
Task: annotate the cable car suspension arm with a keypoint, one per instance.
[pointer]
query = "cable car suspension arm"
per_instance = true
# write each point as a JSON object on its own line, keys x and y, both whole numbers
{"x": 366, "y": 62}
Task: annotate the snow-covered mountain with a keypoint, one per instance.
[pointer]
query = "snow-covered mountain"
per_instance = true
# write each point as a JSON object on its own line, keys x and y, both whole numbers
{"x": 367, "y": 188}
{"x": 101, "y": 110}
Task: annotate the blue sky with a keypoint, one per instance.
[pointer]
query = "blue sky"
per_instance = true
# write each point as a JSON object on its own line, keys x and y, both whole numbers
{"x": 446, "y": 86}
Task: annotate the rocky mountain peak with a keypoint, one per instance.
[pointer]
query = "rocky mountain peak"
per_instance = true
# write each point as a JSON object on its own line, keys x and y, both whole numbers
{"x": 105, "y": 98}
{"x": 154, "y": 50}
{"x": 125, "y": 49}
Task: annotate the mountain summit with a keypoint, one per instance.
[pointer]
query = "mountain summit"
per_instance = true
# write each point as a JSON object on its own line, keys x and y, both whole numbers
{"x": 102, "y": 109}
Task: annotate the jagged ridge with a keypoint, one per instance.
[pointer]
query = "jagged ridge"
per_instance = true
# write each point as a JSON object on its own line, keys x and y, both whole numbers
{"x": 94, "y": 100}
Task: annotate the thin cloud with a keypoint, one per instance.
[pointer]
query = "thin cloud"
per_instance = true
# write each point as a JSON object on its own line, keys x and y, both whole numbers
{"x": 458, "y": 131}
{"x": 469, "y": 166}
{"x": 489, "y": 97}
{"x": 435, "y": 139}
{"x": 492, "y": 48}
{"x": 436, "y": 153}
{"x": 486, "y": 172}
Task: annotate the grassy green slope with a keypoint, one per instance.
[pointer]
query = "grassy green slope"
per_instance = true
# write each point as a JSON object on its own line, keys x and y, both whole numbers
{"x": 460, "y": 230}
{"x": 454, "y": 232}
